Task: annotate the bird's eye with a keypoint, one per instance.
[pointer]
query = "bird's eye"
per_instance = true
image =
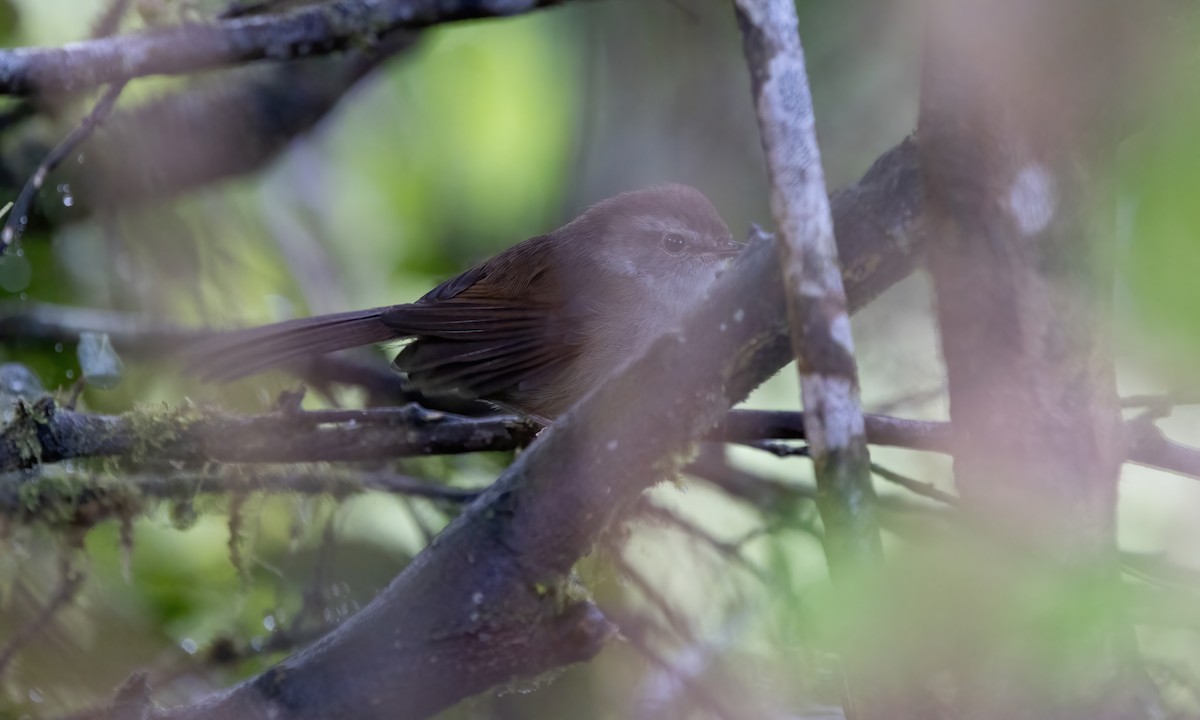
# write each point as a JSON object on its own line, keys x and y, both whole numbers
{"x": 674, "y": 243}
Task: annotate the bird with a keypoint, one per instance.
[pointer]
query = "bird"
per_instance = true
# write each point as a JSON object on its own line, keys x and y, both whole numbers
{"x": 534, "y": 328}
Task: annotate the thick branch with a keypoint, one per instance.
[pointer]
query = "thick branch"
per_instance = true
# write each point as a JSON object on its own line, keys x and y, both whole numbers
{"x": 315, "y": 30}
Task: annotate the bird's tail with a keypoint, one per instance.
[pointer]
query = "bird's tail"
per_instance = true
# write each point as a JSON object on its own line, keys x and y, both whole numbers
{"x": 235, "y": 354}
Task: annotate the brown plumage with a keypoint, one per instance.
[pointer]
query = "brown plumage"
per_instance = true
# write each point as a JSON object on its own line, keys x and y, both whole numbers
{"x": 534, "y": 327}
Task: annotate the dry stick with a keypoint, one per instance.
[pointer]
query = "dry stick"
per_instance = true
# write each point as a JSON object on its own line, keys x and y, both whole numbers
{"x": 820, "y": 324}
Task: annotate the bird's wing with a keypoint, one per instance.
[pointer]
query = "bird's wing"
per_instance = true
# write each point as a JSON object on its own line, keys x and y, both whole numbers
{"x": 498, "y": 328}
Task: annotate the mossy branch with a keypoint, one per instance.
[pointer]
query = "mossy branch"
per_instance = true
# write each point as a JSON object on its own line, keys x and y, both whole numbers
{"x": 42, "y": 432}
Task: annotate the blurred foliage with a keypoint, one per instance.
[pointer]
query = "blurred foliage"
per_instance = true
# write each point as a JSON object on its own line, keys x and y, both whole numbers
{"x": 485, "y": 134}
{"x": 1163, "y": 249}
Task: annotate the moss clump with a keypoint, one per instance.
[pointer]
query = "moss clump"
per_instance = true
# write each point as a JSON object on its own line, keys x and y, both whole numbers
{"x": 23, "y": 431}
{"x": 183, "y": 514}
{"x": 78, "y": 499}
{"x": 557, "y": 593}
{"x": 154, "y": 429}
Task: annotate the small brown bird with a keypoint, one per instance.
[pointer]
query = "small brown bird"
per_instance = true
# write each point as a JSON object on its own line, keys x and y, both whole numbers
{"x": 535, "y": 327}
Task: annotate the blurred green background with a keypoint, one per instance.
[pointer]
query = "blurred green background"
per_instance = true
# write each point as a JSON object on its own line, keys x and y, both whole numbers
{"x": 482, "y": 135}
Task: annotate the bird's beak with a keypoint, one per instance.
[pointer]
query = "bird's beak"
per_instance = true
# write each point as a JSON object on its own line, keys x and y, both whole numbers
{"x": 729, "y": 248}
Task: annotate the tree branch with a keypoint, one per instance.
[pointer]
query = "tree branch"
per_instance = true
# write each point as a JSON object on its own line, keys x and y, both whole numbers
{"x": 43, "y": 433}
{"x": 209, "y": 131}
{"x": 745, "y": 426}
{"x": 198, "y": 436}
{"x": 194, "y": 47}
{"x": 820, "y": 325}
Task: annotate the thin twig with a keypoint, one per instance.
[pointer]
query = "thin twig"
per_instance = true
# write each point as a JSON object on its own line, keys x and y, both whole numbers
{"x": 769, "y": 496}
{"x": 731, "y": 552}
{"x": 653, "y": 596}
{"x": 888, "y": 407}
{"x": 19, "y": 218}
{"x": 919, "y": 487}
{"x": 427, "y": 531}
